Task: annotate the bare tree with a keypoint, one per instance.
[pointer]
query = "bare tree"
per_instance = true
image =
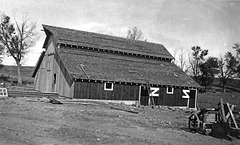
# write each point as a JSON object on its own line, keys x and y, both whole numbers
{"x": 135, "y": 34}
{"x": 180, "y": 61}
{"x": 16, "y": 38}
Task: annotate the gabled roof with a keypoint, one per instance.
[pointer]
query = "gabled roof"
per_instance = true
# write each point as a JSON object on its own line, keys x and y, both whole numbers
{"x": 85, "y": 64}
{"x": 101, "y": 41}
{"x": 91, "y": 64}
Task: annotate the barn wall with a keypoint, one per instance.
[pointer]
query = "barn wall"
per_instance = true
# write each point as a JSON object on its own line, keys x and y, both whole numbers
{"x": 62, "y": 87}
{"x": 45, "y": 71}
{"x": 175, "y": 99}
{"x": 92, "y": 90}
{"x": 45, "y": 75}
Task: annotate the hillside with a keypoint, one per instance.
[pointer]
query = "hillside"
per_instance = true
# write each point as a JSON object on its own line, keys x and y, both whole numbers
{"x": 9, "y": 72}
{"x": 232, "y": 83}
{"x": 12, "y": 70}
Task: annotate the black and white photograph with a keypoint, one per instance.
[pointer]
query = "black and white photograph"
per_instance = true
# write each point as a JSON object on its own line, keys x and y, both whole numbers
{"x": 120, "y": 72}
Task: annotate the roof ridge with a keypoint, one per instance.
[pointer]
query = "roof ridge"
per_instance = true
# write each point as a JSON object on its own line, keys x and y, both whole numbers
{"x": 106, "y": 35}
{"x": 97, "y": 44}
{"x": 74, "y": 37}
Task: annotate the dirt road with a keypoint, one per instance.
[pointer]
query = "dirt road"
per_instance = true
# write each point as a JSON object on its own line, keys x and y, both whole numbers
{"x": 34, "y": 121}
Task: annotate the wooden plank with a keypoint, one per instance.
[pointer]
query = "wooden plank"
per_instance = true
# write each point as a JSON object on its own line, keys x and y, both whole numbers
{"x": 222, "y": 110}
{"x": 116, "y": 90}
{"x": 100, "y": 89}
{"x": 124, "y": 109}
{"x": 95, "y": 90}
{"x": 89, "y": 90}
{"x": 139, "y": 95}
{"x": 82, "y": 90}
{"x": 136, "y": 93}
{"x": 128, "y": 90}
{"x": 232, "y": 107}
{"x": 233, "y": 118}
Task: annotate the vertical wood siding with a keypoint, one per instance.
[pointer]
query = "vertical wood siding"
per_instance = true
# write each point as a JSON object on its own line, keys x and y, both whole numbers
{"x": 51, "y": 64}
{"x": 174, "y": 99}
{"x": 92, "y": 90}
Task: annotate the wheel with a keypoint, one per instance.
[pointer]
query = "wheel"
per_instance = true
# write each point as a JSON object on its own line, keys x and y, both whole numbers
{"x": 206, "y": 129}
{"x": 193, "y": 123}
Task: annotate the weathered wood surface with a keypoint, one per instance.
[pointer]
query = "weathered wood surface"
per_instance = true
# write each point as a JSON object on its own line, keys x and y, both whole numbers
{"x": 124, "y": 109}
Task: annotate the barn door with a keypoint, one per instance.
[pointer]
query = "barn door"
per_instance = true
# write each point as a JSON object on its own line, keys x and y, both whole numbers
{"x": 192, "y": 98}
{"x": 145, "y": 99}
{"x": 144, "y": 96}
{"x": 54, "y": 82}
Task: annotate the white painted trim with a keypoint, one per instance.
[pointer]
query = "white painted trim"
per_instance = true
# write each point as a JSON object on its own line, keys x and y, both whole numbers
{"x": 106, "y": 89}
{"x": 139, "y": 96}
{"x": 170, "y": 92}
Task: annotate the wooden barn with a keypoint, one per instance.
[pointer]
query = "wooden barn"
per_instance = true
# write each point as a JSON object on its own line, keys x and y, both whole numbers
{"x": 86, "y": 65}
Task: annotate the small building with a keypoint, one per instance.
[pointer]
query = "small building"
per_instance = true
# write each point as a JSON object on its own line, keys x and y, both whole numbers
{"x": 86, "y": 65}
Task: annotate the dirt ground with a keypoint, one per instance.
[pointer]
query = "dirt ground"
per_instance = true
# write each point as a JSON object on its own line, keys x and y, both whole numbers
{"x": 35, "y": 121}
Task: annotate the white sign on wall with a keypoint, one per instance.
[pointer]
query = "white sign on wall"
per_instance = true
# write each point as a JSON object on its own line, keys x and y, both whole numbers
{"x": 185, "y": 94}
{"x": 154, "y": 92}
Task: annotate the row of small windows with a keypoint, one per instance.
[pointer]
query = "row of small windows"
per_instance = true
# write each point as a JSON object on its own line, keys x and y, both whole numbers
{"x": 120, "y": 52}
{"x": 109, "y": 87}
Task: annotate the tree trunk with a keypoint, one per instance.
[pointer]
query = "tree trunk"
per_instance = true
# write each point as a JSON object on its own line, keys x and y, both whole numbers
{"x": 224, "y": 90}
{"x": 19, "y": 73}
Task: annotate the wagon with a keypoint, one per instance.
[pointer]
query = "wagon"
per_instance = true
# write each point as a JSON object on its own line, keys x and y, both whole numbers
{"x": 203, "y": 120}
{"x": 207, "y": 119}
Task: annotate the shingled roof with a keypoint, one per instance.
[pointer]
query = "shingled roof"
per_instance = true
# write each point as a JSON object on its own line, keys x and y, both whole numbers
{"x": 120, "y": 68}
{"x": 95, "y": 40}
{"x": 105, "y": 66}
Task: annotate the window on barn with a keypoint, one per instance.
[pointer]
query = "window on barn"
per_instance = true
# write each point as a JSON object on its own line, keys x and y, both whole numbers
{"x": 170, "y": 90}
{"x": 108, "y": 86}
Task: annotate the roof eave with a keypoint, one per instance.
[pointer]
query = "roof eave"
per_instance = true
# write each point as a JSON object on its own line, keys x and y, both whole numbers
{"x": 38, "y": 63}
{"x": 48, "y": 34}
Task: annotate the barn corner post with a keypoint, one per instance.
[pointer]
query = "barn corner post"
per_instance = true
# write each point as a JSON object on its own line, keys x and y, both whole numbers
{"x": 196, "y": 100}
{"x": 139, "y": 95}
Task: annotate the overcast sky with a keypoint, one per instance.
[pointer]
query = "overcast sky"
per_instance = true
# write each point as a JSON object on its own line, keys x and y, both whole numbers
{"x": 210, "y": 24}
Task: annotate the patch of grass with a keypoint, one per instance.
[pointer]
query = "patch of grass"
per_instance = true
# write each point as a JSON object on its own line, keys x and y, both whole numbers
{"x": 211, "y": 99}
